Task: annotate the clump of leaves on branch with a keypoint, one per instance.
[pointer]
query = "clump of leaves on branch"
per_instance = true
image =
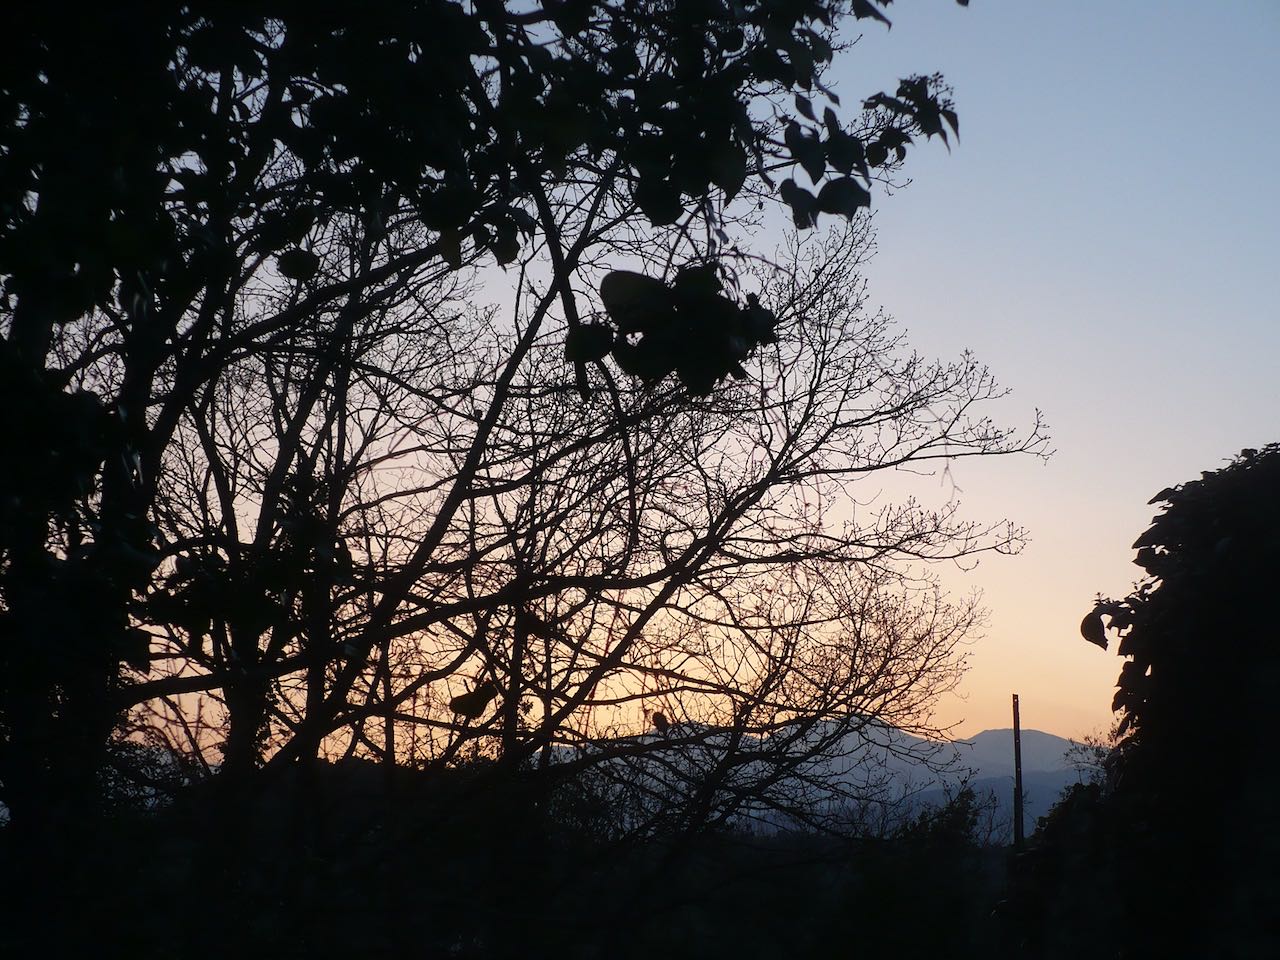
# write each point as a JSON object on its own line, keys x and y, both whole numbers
{"x": 689, "y": 327}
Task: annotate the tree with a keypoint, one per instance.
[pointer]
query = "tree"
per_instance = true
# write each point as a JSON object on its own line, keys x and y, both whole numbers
{"x": 162, "y": 168}
{"x": 1212, "y": 539}
{"x": 1186, "y": 788}
{"x": 648, "y": 551}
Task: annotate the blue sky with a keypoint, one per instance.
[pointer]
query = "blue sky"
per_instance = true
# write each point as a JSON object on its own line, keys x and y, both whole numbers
{"x": 1105, "y": 237}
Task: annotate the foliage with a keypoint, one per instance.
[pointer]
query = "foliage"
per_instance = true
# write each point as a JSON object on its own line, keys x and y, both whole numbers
{"x": 149, "y": 154}
{"x": 1214, "y": 539}
{"x": 953, "y": 824}
{"x": 1183, "y": 789}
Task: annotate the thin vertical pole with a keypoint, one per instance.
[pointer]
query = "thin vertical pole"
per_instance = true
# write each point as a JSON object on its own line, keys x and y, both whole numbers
{"x": 1017, "y": 777}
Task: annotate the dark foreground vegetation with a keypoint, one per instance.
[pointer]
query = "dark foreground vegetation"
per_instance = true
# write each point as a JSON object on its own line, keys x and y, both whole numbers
{"x": 322, "y": 868}
{"x": 1172, "y": 852}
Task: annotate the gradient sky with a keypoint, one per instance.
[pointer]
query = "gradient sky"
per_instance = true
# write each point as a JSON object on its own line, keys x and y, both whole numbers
{"x": 1105, "y": 238}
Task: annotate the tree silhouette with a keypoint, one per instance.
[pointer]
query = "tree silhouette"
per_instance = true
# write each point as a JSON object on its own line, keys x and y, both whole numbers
{"x": 1214, "y": 539}
{"x": 650, "y": 549}
{"x": 1186, "y": 788}
{"x": 159, "y": 165}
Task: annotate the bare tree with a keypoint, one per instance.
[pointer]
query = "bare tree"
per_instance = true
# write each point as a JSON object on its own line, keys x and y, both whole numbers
{"x": 430, "y": 548}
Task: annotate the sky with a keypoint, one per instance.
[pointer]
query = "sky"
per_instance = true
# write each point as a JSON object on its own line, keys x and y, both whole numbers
{"x": 1105, "y": 238}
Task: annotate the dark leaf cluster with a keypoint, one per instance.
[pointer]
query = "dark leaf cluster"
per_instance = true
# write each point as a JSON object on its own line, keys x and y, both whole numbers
{"x": 147, "y": 150}
{"x": 688, "y": 327}
{"x": 1206, "y": 556}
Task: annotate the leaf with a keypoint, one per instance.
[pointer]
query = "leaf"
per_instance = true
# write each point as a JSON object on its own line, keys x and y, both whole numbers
{"x": 1093, "y": 629}
{"x": 1153, "y": 536}
{"x": 805, "y": 106}
{"x": 135, "y": 649}
{"x": 651, "y": 359}
{"x": 759, "y": 322}
{"x": 505, "y": 246}
{"x": 728, "y": 168}
{"x": 524, "y": 221}
{"x": 896, "y": 140}
{"x": 843, "y": 196}
{"x": 272, "y": 233}
{"x": 732, "y": 40}
{"x": 769, "y": 65}
{"x": 803, "y": 204}
{"x": 623, "y": 62}
{"x": 633, "y": 300}
{"x": 1149, "y": 560}
{"x": 952, "y": 120}
{"x": 450, "y": 248}
{"x": 892, "y": 104}
{"x": 831, "y": 121}
{"x": 802, "y": 64}
{"x": 698, "y": 378}
{"x": 472, "y": 705}
{"x": 572, "y": 16}
{"x": 818, "y": 43}
{"x": 659, "y": 201}
{"x": 533, "y": 624}
{"x": 1121, "y": 701}
{"x": 929, "y": 117}
{"x": 807, "y": 150}
{"x": 1132, "y": 644}
{"x": 914, "y": 89}
{"x": 697, "y": 281}
{"x": 845, "y": 153}
{"x": 866, "y": 10}
{"x": 298, "y": 264}
{"x": 588, "y": 342}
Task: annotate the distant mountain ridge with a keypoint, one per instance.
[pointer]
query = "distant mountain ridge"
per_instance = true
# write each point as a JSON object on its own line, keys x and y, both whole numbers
{"x": 1047, "y": 771}
{"x": 872, "y": 778}
{"x": 921, "y": 773}
{"x": 991, "y": 751}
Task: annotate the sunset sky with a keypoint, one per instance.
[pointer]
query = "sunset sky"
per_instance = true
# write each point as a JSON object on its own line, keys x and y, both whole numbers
{"x": 1105, "y": 238}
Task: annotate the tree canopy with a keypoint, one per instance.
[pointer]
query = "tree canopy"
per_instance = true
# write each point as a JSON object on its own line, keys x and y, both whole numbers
{"x": 1187, "y": 784}
{"x": 194, "y": 191}
{"x": 149, "y": 151}
{"x": 1204, "y": 554}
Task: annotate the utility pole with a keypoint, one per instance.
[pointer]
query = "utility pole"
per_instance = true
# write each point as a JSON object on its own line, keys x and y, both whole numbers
{"x": 1017, "y": 777}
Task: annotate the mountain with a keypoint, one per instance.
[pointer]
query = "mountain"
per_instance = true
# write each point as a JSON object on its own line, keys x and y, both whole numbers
{"x": 991, "y": 752}
{"x": 1046, "y": 772}
{"x": 868, "y": 777}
